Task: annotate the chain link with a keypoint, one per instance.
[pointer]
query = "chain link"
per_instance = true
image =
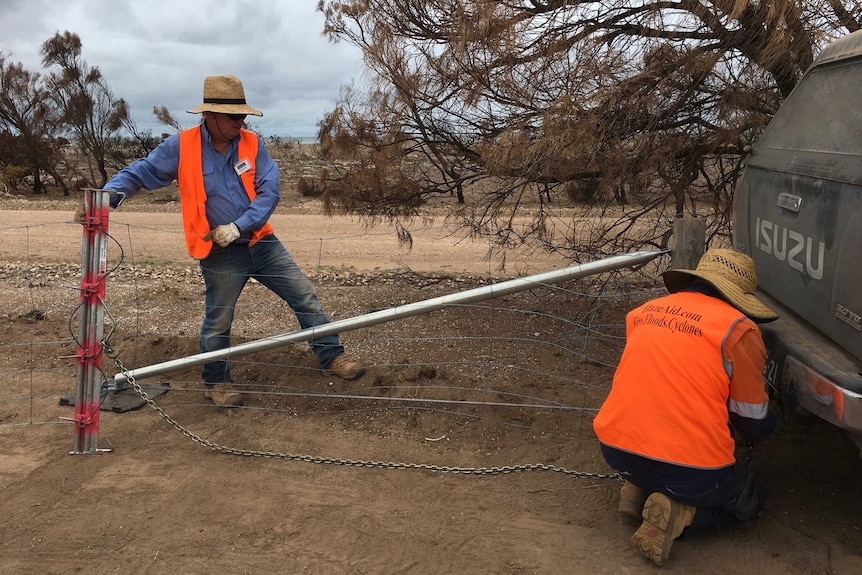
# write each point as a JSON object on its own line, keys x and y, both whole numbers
{"x": 111, "y": 353}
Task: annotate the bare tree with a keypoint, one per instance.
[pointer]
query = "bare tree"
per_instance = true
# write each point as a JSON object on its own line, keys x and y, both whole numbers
{"x": 89, "y": 107}
{"x": 644, "y": 107}
{"x": 164, "y": 116}
{"x": 138, "y": 144}
{"x": 29, "y": 120}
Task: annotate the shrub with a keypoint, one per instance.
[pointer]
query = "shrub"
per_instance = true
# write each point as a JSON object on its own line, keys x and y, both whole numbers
{"x": 308, "y": 188}
{"x": 12, "y": 175}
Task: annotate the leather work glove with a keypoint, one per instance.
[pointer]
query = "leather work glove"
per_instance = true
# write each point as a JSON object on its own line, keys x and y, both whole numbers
{"x": 223, "y": 235}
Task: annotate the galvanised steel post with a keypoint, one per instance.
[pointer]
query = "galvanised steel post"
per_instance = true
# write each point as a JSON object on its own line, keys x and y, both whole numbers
{"x": 398, "y": 312}
{"x": 91, "y": 321}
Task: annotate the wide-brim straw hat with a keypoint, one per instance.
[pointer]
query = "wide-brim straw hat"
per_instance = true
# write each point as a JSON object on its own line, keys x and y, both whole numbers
{"x": 732, "y": 274}
{"x": 224, "y": 94}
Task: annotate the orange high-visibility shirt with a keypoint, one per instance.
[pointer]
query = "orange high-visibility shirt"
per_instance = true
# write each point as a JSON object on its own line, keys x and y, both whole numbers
{"x": 193, "y": 196}
{"x": 689, "y": 358}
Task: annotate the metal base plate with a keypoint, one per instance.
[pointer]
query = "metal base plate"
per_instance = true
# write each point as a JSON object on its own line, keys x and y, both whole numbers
{"x": 126, "y": 399}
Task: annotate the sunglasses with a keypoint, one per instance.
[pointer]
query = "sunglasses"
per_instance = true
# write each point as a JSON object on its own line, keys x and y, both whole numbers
{"x": 235, "y": 117}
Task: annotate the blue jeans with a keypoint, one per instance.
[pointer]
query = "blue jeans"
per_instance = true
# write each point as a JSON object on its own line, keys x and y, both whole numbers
{"x": 723, "y": 497}
{"x": 227, "y": 270}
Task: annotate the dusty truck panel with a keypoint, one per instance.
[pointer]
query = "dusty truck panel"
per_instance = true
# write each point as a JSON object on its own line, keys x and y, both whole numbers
{"x": 798, "y": 213}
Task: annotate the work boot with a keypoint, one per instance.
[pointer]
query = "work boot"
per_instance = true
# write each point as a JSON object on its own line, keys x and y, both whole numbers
{"x": 344, "y": 368}
{"x": 663, "y": 521}
{"x": 223, "y": 395}
{"x": 632, "y": 499}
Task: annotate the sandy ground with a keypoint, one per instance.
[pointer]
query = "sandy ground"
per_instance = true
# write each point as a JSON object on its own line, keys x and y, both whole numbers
{"x": 159, "y": 502}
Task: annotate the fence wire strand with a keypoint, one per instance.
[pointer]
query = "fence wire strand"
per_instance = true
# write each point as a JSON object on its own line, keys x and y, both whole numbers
{"x": 495, "y": 361}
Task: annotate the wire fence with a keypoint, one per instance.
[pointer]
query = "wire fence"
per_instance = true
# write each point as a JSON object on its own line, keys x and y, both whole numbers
{"x": 545, "y": 354}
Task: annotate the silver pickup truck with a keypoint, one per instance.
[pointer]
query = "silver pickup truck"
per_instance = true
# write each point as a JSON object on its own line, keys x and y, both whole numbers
{"x": 798, "y": 213}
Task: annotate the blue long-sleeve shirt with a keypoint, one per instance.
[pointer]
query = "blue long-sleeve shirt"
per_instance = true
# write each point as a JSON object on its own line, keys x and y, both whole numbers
{"x": 227, "y": 200}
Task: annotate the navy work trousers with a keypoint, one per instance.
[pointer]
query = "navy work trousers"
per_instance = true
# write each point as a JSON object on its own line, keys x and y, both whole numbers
{"x": 723, "y": 497}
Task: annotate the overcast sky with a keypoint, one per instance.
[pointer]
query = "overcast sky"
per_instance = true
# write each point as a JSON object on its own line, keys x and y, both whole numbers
{"x": 158, "y": 52}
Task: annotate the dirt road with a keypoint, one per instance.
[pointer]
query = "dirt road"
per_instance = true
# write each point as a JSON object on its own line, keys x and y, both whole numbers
{"x": 337, "y": 242}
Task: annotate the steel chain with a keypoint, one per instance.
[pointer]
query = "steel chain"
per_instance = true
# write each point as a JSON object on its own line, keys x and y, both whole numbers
{"x": 111, "y": 353}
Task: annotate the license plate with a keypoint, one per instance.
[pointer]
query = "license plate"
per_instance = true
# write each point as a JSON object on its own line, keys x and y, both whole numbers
{"x": 770, "y": 375}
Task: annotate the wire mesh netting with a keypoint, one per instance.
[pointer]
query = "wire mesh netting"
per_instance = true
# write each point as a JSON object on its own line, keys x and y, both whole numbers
{"x": 544, "y": 353}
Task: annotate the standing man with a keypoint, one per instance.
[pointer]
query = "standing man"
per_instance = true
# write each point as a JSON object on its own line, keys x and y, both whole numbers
{"x": 690, "y": 378}
{"x": 229, "y": 188}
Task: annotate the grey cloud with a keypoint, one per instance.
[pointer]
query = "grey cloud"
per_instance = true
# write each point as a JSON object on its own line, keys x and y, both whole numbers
{"x": 157, "y": 53}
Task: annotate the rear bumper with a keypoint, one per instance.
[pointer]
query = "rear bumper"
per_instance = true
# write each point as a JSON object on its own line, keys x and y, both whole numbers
{"x": 805, "y": 369}
{"x": 823, "y": 397}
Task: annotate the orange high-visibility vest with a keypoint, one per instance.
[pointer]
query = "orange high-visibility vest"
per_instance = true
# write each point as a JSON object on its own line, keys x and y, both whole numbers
{"x": 670, "y": 393}
{"x": 193, "y": 196}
